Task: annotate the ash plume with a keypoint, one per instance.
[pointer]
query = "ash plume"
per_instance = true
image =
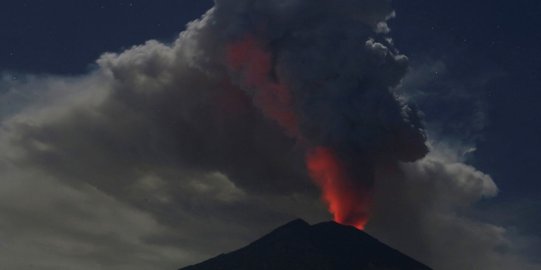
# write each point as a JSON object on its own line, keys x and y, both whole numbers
{"x": 324, "y": 72}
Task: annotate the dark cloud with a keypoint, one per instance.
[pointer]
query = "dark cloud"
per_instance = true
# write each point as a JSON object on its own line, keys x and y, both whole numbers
{"x": 337, "y": 62}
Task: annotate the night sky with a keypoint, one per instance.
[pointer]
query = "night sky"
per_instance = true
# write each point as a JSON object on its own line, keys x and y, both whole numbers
{"x": 475, "y": 74}
{"x": 490, "y": 50}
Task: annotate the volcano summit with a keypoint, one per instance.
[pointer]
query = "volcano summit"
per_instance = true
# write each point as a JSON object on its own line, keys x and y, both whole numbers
{"x": 324, "y": 246}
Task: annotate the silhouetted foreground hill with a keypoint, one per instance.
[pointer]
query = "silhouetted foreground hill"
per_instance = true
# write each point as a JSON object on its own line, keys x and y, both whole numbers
{"x": 324, "y": 246}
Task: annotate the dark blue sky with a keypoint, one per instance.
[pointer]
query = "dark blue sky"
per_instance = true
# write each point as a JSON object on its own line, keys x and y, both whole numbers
{"x": 64, "y": 37}
{"x": 499, "y": 40}
{"x": 496, "y": 42}
{"x": 488, "y": 36}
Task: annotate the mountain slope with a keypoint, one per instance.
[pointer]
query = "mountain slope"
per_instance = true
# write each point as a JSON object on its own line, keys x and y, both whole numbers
{"x": 324, "y": 246}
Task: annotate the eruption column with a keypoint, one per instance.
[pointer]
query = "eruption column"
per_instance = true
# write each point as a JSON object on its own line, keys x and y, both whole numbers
{"x": 348, "y": 201}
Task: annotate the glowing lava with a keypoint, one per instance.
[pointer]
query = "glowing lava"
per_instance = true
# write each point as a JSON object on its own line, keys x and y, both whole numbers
{"x": 348, "y": 201}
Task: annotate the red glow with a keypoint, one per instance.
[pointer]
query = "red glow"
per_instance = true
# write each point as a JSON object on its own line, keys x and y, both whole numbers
{"x": 249, "y": 57}
{"x": 232, "y": 101}
{"x": 348, "y": 202}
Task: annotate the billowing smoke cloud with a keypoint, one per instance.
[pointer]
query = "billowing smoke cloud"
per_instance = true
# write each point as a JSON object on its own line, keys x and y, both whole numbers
{"x": 323, "y": 71}
{"x": 215, "y": 138}
{"x": 426, "y": 209}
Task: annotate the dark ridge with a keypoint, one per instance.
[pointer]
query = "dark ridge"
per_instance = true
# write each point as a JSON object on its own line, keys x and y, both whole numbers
{"x": 324, "y": 246}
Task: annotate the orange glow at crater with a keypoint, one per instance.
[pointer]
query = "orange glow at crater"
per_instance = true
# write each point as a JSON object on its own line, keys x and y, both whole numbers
{"x": 348, "y": 201}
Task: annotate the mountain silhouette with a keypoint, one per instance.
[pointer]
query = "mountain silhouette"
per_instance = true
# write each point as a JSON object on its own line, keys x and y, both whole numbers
{"x": 324, "y": 246}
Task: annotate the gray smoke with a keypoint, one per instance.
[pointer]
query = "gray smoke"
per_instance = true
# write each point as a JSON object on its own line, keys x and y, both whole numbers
{"x": 337, "y": 60}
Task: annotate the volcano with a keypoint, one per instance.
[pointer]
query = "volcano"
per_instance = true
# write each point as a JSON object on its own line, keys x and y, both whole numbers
{"x": 324, "y": 246}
